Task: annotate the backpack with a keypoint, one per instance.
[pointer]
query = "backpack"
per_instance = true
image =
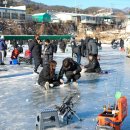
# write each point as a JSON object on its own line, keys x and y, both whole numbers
{"x": 28, "y": 54}
{"x": 20, "y": 49}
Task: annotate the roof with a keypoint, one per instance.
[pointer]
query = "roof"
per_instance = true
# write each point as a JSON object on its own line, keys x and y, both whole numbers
{"x": 86, "y": 15}
{"x": 42, "y": 17}
{"x": 39, "y": 14}
{"x": 14, "y": 9}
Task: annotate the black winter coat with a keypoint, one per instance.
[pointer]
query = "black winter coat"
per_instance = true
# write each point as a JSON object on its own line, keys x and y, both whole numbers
{"x": 45, "y": 76}
{"x": 35, "y": 49}
{"x": 20, "y": 49}
{"x": 121, "y": 43}
{"x": 55, "y": 45}
{"x": 47, "y": 53}
{"x": 93, "y": 66}
{"x": 86, "y": 45}
{"x": 62, "y": 45}
{"x": 74, "y": 66}
{"x": 113, "y": 41}
{"x": 83, "y": 47}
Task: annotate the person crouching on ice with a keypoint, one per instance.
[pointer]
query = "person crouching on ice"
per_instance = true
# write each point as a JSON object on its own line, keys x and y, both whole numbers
{"x": 71, "y": 69}
{"x": 93, "y": 65}
{"x": 47, "y": 77}
{"x": 15, "y": 53}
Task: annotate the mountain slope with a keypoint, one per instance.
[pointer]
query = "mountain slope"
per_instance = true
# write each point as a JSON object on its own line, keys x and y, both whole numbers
{"x": 34, "y": 7}
{"x": 127, "y": 10}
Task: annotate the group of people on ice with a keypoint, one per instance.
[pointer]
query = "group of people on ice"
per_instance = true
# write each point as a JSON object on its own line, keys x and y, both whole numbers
{"x": 115, "y": 43}
{"x": 123, "y": 46}
{"x": 17, "y": 49}
{"x": 44, "y": 57}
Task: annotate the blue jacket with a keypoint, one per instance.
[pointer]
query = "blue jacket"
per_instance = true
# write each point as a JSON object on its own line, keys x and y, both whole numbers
{"x": 2, "y": 45}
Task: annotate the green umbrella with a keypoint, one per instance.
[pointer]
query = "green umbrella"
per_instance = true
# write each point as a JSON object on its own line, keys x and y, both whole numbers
{"x": 118, "y": 95}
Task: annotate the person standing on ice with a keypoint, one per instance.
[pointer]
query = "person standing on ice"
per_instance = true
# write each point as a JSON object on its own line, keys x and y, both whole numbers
{"x": 112, "y": 42}
{"x": 92, "y": 48}
{"x": 77, "y": 51}
{"x": 121, "y": 43}
{"x": 71, "y": 69}
{"x": 86, "y": 45}
{"x": 35, "y": 48}
{"x": 47, "y": 52}
{"x": 2, "y": 50}
{"x": 73, "y": 45}
{"x": 55, "y": 45}
{"x": 62, "y": 45}
{"x": 83, "y": 47}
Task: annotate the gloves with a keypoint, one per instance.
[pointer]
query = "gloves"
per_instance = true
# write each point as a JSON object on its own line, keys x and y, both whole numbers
{"x": 51, "y": 85}
{"x": 74, "y": 72}
{"x": 61, "y": 81}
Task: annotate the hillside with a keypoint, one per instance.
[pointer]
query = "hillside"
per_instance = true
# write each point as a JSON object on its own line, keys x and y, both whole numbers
{"x": 33, "y": 7}
{"x": 127, "y": 10}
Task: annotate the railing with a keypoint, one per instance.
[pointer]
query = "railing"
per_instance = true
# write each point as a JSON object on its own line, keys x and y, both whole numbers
{"x": 42, "y": 37}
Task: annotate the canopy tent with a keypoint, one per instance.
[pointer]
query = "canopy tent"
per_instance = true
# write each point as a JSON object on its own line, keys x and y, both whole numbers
{"x": 42, "y": 37}
{"x": 41, "y": 17}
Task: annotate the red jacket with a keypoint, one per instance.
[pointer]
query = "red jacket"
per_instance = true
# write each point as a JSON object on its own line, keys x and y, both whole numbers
{"x": 27, "y": 53}
{"x": 15, "y": 54}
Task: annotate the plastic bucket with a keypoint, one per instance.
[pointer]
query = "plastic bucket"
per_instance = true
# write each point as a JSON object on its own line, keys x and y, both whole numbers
{"x": 14, "y": 61}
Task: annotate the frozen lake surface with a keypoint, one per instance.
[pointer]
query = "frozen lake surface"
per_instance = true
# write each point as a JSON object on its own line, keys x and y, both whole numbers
{"x": 21, "y": 100}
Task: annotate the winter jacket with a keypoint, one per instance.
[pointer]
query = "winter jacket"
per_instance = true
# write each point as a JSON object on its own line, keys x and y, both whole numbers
{"x": 121, "y": 43}
{"x": 93, "y": 66}
{"x": 55, "y": 45}
{"x": 113, "y": 41}
{"x": 47, "y": 53}
{"x": 15, "y": 54}
{"x": 74, "y": 66}
{"x": 62, "y": 45}
{"x": 73, "y": 44}
{"x": 83, "y": 47}
{"x": 77, "y": 49}
{"x": 86, "y": 45}
{"x": 2, "y": 45}
{"x": 20, "y": 49}
{"x": 92, "y": 47}
{"x": 45, "y": 76}
{"x": 35, "y": 49}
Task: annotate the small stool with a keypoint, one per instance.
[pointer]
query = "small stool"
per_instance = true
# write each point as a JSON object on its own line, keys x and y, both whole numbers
{"x": 26, "y": 60}
{"x": 47, "y": 118}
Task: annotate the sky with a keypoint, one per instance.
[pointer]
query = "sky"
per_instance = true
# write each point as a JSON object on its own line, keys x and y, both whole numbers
{"x": 88, "y": 3}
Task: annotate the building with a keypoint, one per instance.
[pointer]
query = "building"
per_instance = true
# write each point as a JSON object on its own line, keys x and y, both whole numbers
{"x": 41, "y": 17}
{"x": 83, "y": 18}
{"x": 17, "y": 13}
